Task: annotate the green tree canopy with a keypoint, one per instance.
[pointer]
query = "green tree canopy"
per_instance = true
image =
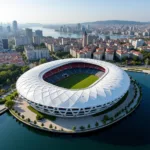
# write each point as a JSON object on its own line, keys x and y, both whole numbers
{"x": 9, "y": 104}
{"x": 42, "y": 61}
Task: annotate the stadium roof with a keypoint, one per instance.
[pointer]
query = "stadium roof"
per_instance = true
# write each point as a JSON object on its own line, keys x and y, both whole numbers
{"x": 112, "y": 85}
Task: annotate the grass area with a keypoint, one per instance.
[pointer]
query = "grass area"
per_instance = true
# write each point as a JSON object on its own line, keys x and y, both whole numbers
{"x": 138, "y": 69}
{"x": 41, "y": 115}
{"x": 77, "y": 81}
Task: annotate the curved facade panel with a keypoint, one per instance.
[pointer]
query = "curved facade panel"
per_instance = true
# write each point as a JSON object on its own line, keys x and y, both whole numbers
{"x": 57, "y": 101}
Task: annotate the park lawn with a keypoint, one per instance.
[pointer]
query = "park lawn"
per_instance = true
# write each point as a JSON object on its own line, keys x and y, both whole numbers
{"x": 53, "y": 118}
{"x": 77, "y": 81}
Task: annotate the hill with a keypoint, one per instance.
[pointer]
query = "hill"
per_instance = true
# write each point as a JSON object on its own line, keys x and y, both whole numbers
{"x": 115, "y": 22}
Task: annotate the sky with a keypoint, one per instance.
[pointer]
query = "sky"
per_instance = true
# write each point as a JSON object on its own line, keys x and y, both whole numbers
{"x": 73, "y": 11}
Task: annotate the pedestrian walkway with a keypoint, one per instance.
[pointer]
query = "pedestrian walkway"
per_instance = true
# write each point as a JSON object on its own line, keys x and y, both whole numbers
{"x": 2, "y": 108}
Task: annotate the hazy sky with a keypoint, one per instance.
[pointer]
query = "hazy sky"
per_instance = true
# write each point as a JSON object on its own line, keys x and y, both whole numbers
{"x": 73, "y": 11}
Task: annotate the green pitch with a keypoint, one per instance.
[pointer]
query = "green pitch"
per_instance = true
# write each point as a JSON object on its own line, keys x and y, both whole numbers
{"x": 77, "y": 81}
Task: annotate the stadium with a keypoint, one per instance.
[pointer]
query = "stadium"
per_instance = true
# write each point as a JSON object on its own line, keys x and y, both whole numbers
{"x": 73, "y": 87}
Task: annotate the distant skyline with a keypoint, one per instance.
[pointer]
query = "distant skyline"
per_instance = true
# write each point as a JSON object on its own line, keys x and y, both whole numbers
{"x": 73, "y": 11}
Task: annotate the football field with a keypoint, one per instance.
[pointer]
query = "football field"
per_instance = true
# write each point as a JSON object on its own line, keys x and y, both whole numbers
{"x": 77, "y": 81}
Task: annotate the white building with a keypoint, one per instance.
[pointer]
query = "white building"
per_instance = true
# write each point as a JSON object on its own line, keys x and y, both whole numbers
{"x": 73, "y": 52}
{"x": 37, "y": 40}
{"x": 46, "y": 97}
{"x": 23, "y": 40}
{"x": 144, "y": 48}
{"x": 86, "y": 52}
{"x": 98, "y": 54}
{"x": 138, "y": 43}
{"x": 120, "y": 54}
{"x": 109, "y": 54}
{"x": 67, "y": 48}
{"x": 81, "y": 54}
{"x": 49, "y": 46}
{"x": 56, "y": 47}
{"x": 29, "y": 34}
{"x": 145, "y": 33}
{"x": 14, "y": 25}
{"x": 84, "y": 39}
{"x": 39, "y": 33}
{"x": 91, "y": 39}
{"x": 136, "y": 54}
{"x": 36, "y": 54}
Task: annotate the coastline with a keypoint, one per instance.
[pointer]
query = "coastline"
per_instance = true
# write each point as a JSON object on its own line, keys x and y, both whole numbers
{"x": 132, "y": 109}
{"x": 136, "y": 70}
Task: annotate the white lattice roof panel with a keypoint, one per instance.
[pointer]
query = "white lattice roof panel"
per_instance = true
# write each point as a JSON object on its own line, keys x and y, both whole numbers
{"x": 112, "y": 85}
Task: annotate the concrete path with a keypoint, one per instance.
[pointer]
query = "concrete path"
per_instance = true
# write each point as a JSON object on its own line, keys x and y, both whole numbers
{"x": 2, "y": 108}
{"x": 136, "y": 70}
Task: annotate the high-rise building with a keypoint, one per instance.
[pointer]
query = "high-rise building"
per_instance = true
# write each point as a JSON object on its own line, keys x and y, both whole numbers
{"x": 79, "y": 27}
{"x": 91, "y": 39}
{"x": 1, "y": 45}
{"x": 83, "y": 29}
{"x": 8, "y": 29}
{"x": 15, "y": 26}
{"x": 39, "y": 33}
{"x": 1, "y": 28}
{"x": 61, "y": 29}
{"x": 138, "y": 43}
{"x": 35, "y": 54}
{"x": 37, "y": 40}
{"x": 84, "y": 39}
{"x": 29, "y": 34}
{"x": 88, "y": 27}
{"x": 22, "y": 40}
{"x": 5, "y": 43}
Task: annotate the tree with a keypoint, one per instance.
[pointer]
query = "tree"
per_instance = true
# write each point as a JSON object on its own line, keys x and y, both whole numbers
{"x": 11, "y": 97}
{"x": 82, "y": 127}
{"x": 8, "y": 81}
{"x": 106, "y": 117}
{"x": 42, "y": 45}
{"x": 147, "y": 62}
{"x": 96, "y": 124}
{"x": 19, "y": 48}
{"x": 24, "y": 69}
{"x": 135, "y": 58}
{"x": 9, "y": 104}
{"x": 35, "y": 122}
{"x": 74, "y": 128}
{"x": 28, "y": 120}
{"x": 89, "y": 126}
{"x": 126, "y": 62}
{"x": 50, "y": 126}
{"x": 12, "y": 86}
{"x": 42, "y": 61}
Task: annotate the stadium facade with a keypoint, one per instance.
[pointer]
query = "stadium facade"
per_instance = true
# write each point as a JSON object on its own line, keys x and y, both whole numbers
{"x": 37, "y": 87}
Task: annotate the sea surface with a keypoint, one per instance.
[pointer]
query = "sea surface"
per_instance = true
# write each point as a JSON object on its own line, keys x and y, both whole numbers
{"x": 131, "y": 133}
{"x": 53, "y": 33}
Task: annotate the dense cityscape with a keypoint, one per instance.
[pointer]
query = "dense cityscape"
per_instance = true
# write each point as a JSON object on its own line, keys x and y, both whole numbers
{"x": 17, "y": 42}
{"x": 74, "y": 74}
